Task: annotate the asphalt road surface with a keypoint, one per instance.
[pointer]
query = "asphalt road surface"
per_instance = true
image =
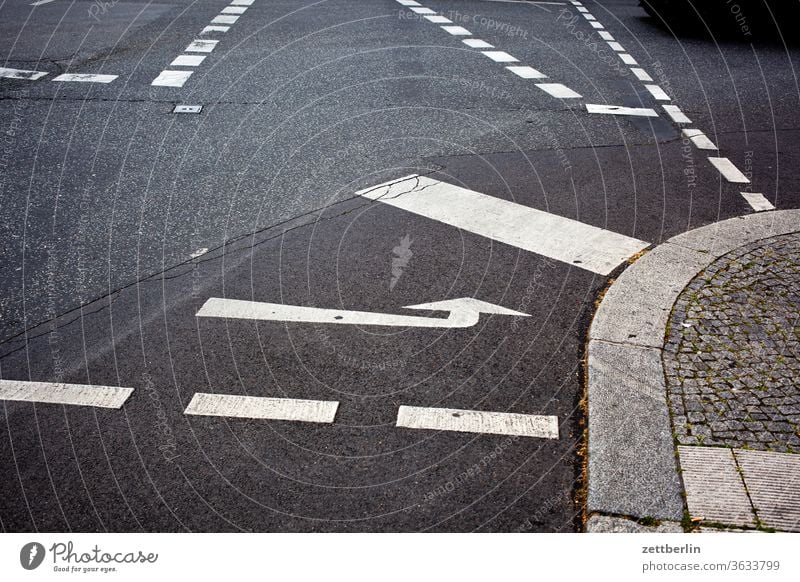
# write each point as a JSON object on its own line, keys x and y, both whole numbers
{"x": 259, "y": 273}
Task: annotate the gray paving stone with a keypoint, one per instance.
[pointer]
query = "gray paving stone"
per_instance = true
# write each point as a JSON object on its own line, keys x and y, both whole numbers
{"x": 715, "y": 491}
{"x": 610, "y": 524}
{"x": 773, "y": 481}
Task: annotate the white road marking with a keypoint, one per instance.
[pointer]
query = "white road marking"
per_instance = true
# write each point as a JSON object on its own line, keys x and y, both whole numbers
{"x": 553, "y": 236}
{"x": 201, "y": 46}
{"x": 234, "y": 10}
{"x": 208, "y": 29}
{"x": 658, "y": 93}
{"x": 582, "y": 9}
{"x": 199, "y": 253}
{"x": 40, "y": 2}
{"x": 408, "y": 2}
{"x": 616, "y": 46}
{"x": 500, "y": 56}
{"x": 757, "y": 201}
{"x": 242, "y": 2}
{"x": 588, "y": 16}
{"x": 699, "y": 139}
{"x": 558, "y": 90}
{"x": 605, "y": 35}
{"x": 224, "y": 19}
{"x": 187, "y": 61}
{"x": 436, "y": 19}
{"x": 620, "y": 110}
{"x": 676, "y": 114}
{"x": 477, "y": 43}
{"x": 627, "y": 59}
{"x": 464, "y": 312}
{"x": 457, "y": 30}
{"x": 452, "y": 419}
{"x": 171, "y": 78}
{"x": 641, "y": 74}
{"x": 262, "y": 408}
{"x": 596, "y": 24}
{"x": 730, "y": 172}
{"x": 527, "y": 72}
{"x": 422, "y": 10}
{"x": 21, "y": 74}
{"x": 58, "y": 393}
{"x": 85, "y": 78}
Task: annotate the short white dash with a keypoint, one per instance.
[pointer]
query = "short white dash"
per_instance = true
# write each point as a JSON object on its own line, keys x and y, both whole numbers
{"x": 187, "y": 61}
{"x": 199, "y": 253}
{"x": 582, "y": 9}
{"x": 657, "y": 92}
{"x": 596, "y": 24}
{"x": 457, "y": 30}
{"x": 172, "y": 78}
{"x": 676, "y": 114}
{"x": 242, "y": 2}
{"x": 641, "y": 74}
{"x": 436, "y": 19}
{"x": 476, "y": 421}
{"x": 605, "y": 35}
{"x": 224, "y": 19}
{"x": 262, "y": 408}
{"x": 499, "y": 56}
{"x": 21, "y": 74}
{"x": 85, "y": 78}
{"x": 757, "y": 201}
{"x": 477, "y": 43}
{"x": 202, "y": 46}
{"x": 588, "y": 16}
{"x": 57, "y": 393}
{"x": 699, "y": 139}
{"x": 234, "y": 10}
{"x": 422, "y": 10}
{"x": 627, "y": 59}
{"x": 730, "y": 172}
{"x": 620, "y": 110}
{"x": 527, "y": 72}
{"x": 408, "y": 2}
{"x": 616, "y": 46}
{"x": 558, "y": 90}
{"x": 209, "y": 29}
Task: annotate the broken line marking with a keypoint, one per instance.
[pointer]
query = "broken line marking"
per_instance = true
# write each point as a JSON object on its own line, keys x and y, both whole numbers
{"x": 620, "y": 110}
{"x": 187, "y": 61}
{"x": 224, "y": 19}
{"x": 641, "y": 74}
{"x": 262, "y": 408}
{"x": 730, "y": 172}
{"x": 476, "y": 421}
{"x": 422, "y": 10}
{"x": 699, "y": 139}
{"x": 527, "y": 72}
{"x": 457, "y": 30}
{"x": 436, "y": 19}
{"x": 757, "y": 201}
{"x": 658, "y": 93}
{"x": 558, "y": 90}
{"x": 21, "y": 74}
{"x": 208, "y": 29}
{"x": 201, "y": 46}
{"x": 596, "y": 24}
{"x": 59, "y": 393}
{"x": 477, "y": 43}
{"x": 85, "y": 78}
{"x": 605, "y": 35}
{"x": 234, "y": 10}
{"x": 627, "y": 59}
{"x": 676, "y": 114}
{"x": 556, "y": 237}
{"x": 171, "y": 78}
{"x": 615, "y": 46}
{"x": 500, "y": 57}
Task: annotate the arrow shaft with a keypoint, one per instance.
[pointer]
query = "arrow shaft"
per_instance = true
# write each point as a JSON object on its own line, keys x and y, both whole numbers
{"x": 238, "y": 309}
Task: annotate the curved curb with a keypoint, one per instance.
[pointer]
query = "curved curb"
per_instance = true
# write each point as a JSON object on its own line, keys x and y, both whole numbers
{"x": 632, "y": 467}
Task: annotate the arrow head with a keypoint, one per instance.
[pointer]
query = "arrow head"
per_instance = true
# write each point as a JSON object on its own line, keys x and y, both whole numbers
{"x": 466, "y": 304}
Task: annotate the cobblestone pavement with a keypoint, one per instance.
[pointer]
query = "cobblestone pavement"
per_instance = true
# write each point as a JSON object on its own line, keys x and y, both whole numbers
{"x": 732, "y": 356}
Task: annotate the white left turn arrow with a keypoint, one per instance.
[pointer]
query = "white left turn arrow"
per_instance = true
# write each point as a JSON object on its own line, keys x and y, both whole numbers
{"x": 464, "y": 312}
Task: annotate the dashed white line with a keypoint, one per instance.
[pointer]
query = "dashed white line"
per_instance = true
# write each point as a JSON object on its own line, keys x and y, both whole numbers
{"x": 588, "y": 16}
{"x": 208, "y": 29}
{"x": 457, "y": 30}
{"x": 85, "y": 78}
{"x": 58, "y": 393}
{"x": 500, "y": 56}
{"x": 234, "y": 10}
{"x": 187, "y": 61}
{"x": 171, "y": 78}
{"x": 224, "y": 19}
{"x": 202, "y": 46}
{"x": 408, "y": 2}
{"x": 757, "y": 201}
{"x": 605, "y": 35}
{"x": 658, "y": 93}
{"x": 477, "y": 43}
{"x": 641, "y": 74}
{"x": 559, "y": 238}
{"x": 21, "y": 74}
{"x": 527, "y": 72}
{"x": 422, "y": 10}
{"x": 615, "y": 46}
{"x": 699, "y": 139}
{"x": 558, "y": 90}
{"x": 242, "y": 2}
{"x": 476, "y": 421}
{"x": 676, "y": 114}
{"x": 262, "y": 408}
{"x": 436, "y": 19}
{"x": 582, "y": 9}
{"x": 627, "y": 59}
{"x": 620, "y": 110}
{"x": 596, "y": 24}
{"x": 730, "y": 172}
